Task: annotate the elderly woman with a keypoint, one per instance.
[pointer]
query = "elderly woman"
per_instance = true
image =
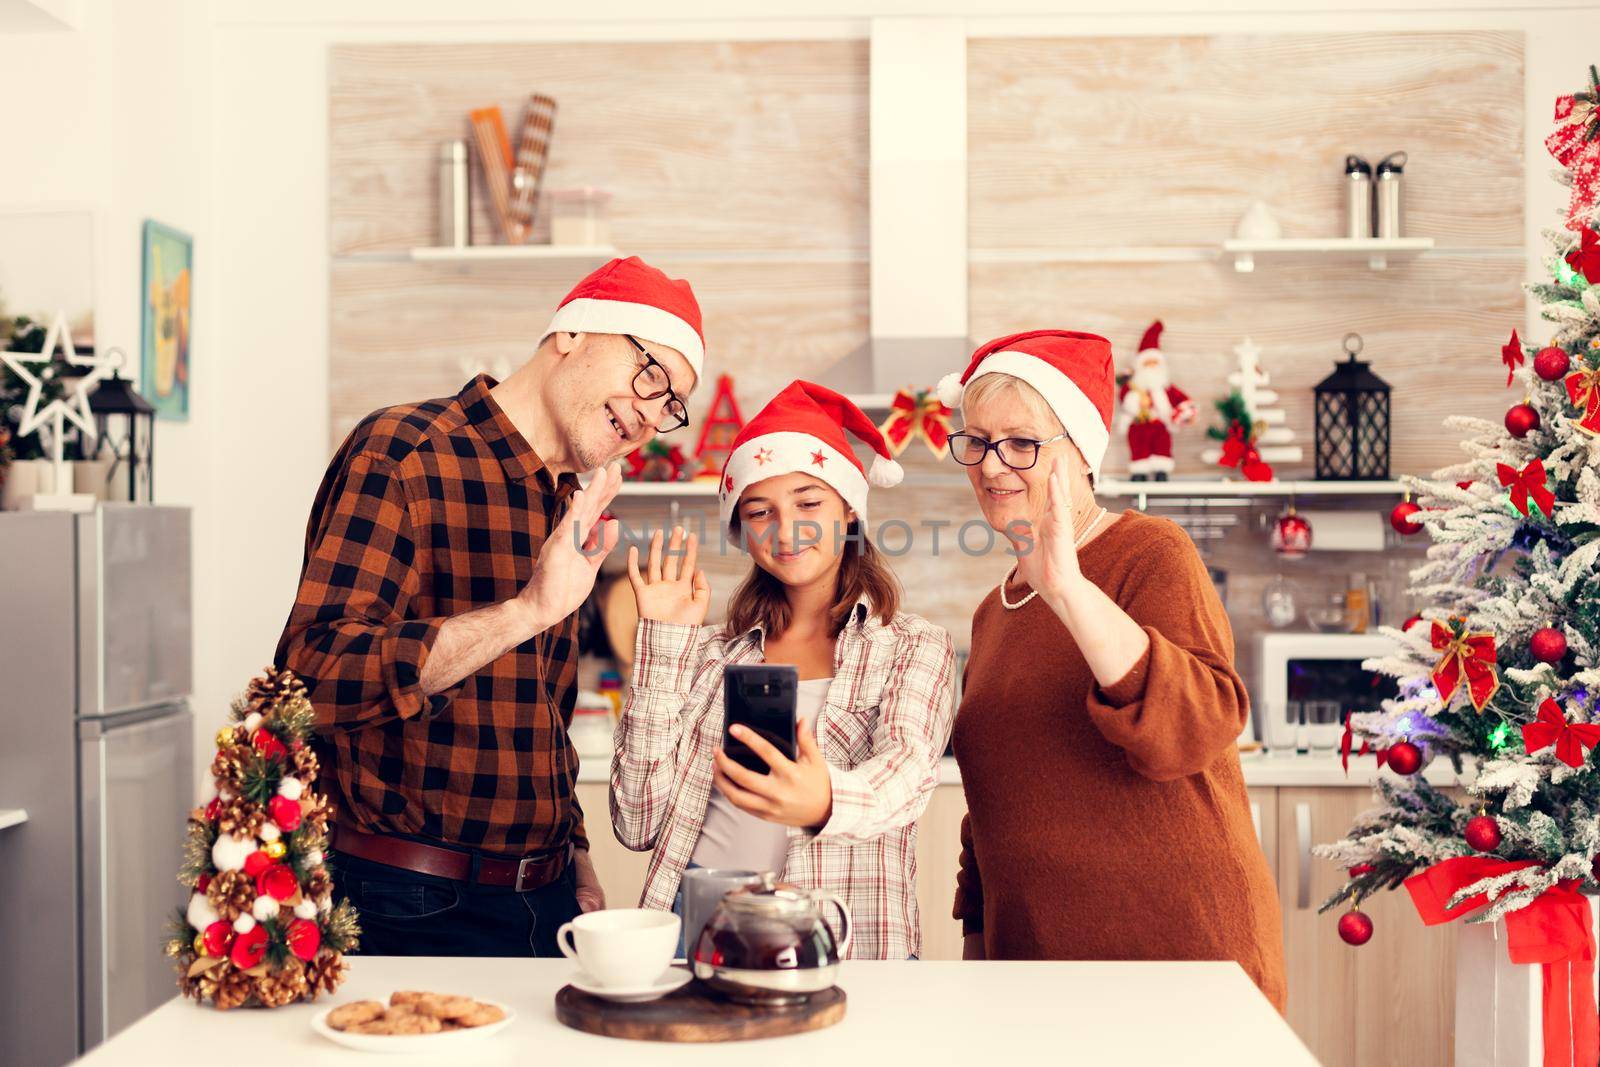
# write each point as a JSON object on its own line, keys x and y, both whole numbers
{"x": 1108, "y": 817}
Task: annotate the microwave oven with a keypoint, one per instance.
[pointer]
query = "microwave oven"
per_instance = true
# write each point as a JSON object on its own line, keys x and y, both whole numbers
{"x": 1307, "y": 682}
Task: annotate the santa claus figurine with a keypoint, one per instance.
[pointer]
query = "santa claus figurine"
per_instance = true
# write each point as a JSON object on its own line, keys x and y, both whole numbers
{"x": 1152, "y": 407}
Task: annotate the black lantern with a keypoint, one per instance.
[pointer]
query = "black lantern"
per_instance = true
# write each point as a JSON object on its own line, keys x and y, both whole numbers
{"x": 1352, "y": 430}
{"x": 127, "y": 437}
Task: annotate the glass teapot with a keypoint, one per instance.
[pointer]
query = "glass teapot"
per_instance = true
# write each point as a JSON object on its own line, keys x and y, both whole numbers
{"x": 768, "y": 943}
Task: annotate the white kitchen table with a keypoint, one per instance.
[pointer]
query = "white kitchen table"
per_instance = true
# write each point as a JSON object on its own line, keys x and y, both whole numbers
{"x": 903, "y": 1014}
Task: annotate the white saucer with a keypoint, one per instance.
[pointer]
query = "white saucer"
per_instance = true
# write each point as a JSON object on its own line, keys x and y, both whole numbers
{"x": 672, "y": 978}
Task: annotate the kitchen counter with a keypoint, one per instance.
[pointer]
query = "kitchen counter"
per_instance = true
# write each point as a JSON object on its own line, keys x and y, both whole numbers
{"x": 1260, "y": 770}
{"x": 927, "y": 1013}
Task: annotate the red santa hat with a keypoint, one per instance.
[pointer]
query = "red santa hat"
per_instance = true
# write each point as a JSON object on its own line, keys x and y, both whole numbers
{"x": 630, "y": 296}
{"x": 803, "y": 429}
{"x": 1071, "y": 370}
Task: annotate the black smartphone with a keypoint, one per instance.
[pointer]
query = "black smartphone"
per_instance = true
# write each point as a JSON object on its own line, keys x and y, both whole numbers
{"x": 761, "y": 697}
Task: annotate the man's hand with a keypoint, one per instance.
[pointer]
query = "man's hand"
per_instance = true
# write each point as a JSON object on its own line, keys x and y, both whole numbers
{"x": 793, "y": 792}
{"x": 590, "y": 896}
{"x": 564, "y": 574}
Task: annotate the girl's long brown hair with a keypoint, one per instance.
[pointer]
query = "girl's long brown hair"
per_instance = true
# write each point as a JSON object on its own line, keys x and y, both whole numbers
{"x": 763, "y": 600}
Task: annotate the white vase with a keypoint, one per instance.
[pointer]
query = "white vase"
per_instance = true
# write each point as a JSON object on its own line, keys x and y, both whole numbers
{"x": 1499, "y": 1004}
{"x": 26, "y": 478}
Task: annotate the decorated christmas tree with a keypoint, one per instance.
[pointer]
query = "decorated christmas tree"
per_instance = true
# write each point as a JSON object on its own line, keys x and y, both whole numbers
{"x": 261, "y": 927}
{"x": 1500, "y": 674}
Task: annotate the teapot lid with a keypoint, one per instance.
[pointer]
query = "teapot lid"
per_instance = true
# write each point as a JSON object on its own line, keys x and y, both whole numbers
{"x": 771, "y": 898}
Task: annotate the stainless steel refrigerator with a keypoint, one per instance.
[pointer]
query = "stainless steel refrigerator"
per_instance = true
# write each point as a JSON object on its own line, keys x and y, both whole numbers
{"x": 97, "y": 747}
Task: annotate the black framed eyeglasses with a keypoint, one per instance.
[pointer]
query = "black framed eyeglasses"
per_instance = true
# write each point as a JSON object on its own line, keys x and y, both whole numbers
{"x": 1018, "y": 453}
{"x": 652, "y": 383}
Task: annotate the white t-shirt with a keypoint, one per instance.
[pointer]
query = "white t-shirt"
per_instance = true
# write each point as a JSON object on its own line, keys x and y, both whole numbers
{"x": 734, "y": 839}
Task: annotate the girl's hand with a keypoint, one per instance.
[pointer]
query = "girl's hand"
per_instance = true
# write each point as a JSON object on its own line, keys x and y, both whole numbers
{"x": 1050, "y": 564}
{"x": 793, "y": 792}
{"x": 671, "y": 590}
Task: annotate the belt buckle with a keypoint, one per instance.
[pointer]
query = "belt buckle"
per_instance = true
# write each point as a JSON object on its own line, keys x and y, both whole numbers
{"x": 522, "y": 872}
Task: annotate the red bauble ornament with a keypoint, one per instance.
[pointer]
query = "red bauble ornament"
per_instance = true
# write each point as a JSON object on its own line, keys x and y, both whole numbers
{"x": 202, "y": 883}
{"x": 304, "y": 938}
{"x": 1355, "y": 928}
{"x": 218, "y": 938}
{"x": 1405, "y": 758}
{"x": 1548, "y": 645}
{"x": 277, "y": 882}
{"x": 1400, "y": 518}
{"x": 1359, "y": 869}
{"x": 268, "y": 745}
{"x": 284, "y": 812}
{"x": 1551, "y": 364}
{"x": 249, "y": 949}
{"x": 1483, "y": 833}
{"x": 213, "y": 809}
{"x": 1409, "y": 623}
{"x": 255, "y": 863}
{"x": 1291, "y": 535}
{"x": 1521, "y": 419}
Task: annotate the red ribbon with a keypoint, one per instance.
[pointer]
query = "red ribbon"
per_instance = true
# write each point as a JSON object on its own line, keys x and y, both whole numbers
{"x": 1585, "y": 259}
{"x": 1529, "y": 481}
{"x": 1554, "y": 931}
{"x": 1583, "y": 389}
{"x": 1575, "y": 147}
{"x": 913, "y": 415}
{"x": 1241, "y": 453}
{"x": 1466, "y": 654}
{"x": 1552, "y": 728}
{"x": 1380, "y": 754}
{"x": 1512, "y": 356}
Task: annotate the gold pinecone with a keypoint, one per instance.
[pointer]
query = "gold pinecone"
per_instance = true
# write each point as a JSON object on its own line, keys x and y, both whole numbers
{"x": 317, "y": 884}
{"x": 305, "y": 766}
{"x": 283, "y": 986}
{"x": 228, "y": 766}
{"x": 231, "y": 893}
{"x": 316, "y": 817}
{"x": 274, "y": 688}
{"x": 240, "y": 817}
{"x": 226, "y": 986}
{"x": 324, "y": 973}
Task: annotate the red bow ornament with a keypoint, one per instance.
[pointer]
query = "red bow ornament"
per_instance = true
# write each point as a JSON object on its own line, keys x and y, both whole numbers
{"x": 917, "y": 415}
{"x": 1585, "y": 259}
{"x": 1239, "y": 452}
{"x": 1555, "y": 931}
{"x": 1529, "y": 481}
{"x": 1576, "y": 146}
{"x": 1583, "y": 389}
{"x": 1466, "y": 655}
{"x": 1512, "y": 356}
{"x": 1552, "y": 728}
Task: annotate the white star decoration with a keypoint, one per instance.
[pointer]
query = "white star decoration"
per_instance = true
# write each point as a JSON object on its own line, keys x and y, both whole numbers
{"x": 75, "y": 406}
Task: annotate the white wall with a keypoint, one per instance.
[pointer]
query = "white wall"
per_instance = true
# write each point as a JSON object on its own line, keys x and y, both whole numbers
{"x": 214, "y": 119}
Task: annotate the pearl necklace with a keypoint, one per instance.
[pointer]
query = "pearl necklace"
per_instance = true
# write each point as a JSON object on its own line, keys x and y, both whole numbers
{"x": 1077, "y": 543}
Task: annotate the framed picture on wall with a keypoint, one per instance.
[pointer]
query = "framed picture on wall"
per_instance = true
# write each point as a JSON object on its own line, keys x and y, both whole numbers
{"x": 168, "y": 299}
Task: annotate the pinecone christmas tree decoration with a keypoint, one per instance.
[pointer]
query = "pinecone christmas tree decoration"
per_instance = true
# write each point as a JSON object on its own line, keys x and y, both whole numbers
{"x": 261, "y": 926}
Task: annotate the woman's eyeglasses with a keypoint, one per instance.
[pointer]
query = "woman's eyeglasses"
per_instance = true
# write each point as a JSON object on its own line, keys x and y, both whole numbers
{"x": 652, "y": 383}
{"x": 1018, "y": 453}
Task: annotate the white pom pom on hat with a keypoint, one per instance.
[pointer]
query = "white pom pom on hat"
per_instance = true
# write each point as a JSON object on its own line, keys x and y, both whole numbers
{"x": 950, "y": 390}
{"x": 885, "y": 473}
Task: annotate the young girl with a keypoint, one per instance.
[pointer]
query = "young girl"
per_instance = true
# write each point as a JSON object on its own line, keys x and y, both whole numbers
{"x": 874, "y": 697}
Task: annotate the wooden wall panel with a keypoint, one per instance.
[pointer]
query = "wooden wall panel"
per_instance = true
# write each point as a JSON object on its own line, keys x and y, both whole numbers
{"x": 731, "y": 145}
{"x": 1107, "y": 141}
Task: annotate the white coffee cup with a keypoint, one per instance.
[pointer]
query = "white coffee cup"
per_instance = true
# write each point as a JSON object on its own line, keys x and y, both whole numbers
{"x": 621, "y": 947}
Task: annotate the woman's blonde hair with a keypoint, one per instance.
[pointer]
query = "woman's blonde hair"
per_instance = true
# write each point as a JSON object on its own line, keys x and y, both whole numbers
{"x": 998, "y": 386}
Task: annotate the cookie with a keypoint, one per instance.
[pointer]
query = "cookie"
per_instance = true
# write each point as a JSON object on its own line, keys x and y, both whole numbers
{"x": 407, "y": 996}
{"x": 349, "y": 1015}
{"x": 399, "y": 1022}
{"x": 481, "y": 1015}
{"x": 444, "y": 1005}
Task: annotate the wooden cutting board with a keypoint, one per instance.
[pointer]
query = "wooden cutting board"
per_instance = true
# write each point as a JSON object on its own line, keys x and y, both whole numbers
{"x": 695, "y": 1014}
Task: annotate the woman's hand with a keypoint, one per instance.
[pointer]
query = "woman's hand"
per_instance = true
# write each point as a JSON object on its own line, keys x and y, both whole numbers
{"x": 1050, "y": 564}
{"x": 670, "y": 590}
{"x": 794, "y": 792}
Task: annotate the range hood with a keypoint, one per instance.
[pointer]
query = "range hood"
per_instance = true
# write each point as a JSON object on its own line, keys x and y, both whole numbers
{"x": 918, "y": 212}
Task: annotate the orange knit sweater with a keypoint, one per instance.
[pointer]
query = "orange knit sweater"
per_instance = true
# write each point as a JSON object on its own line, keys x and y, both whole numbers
{"x": 1113, "y": 823}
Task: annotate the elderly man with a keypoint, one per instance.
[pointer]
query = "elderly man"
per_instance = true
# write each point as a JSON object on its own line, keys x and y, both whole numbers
{"x": 448, "y": 550}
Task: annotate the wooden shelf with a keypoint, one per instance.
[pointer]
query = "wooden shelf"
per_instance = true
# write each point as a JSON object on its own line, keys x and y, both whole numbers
{"x": 12, "y": 817}
{"x": 505, "y": 253}
{"x": 1217, "y": 487}
{"x": 1379, "y": 251}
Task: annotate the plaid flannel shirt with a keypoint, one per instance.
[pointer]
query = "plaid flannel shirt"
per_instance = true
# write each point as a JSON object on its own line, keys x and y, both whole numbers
{"x": 882, "y": 729}
{"x": 427, "y": 511}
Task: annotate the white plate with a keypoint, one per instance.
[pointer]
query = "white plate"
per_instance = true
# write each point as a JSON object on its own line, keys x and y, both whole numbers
{"x": 442, "y": 1042}
{"x": 672, "y": 978}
